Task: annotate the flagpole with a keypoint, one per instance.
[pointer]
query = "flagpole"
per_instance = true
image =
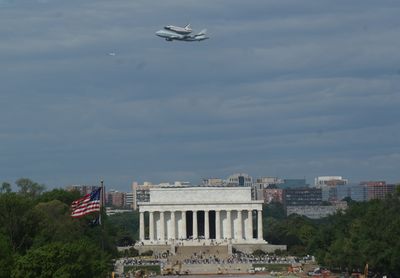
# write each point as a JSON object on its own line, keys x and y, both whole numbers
{"x": 101, "y": 201}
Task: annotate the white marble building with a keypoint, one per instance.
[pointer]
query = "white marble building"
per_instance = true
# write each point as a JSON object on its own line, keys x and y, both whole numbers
{"x": 203, "y": 214}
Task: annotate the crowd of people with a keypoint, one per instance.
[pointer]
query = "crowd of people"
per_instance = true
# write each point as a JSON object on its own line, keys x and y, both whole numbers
{"x": 138, "y": 261}
{"x": 208, "y": 258}
{"x": 241, "y": 258}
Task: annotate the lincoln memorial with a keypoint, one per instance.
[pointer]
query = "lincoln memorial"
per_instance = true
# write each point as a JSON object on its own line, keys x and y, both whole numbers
{"x": 201, "y": 216}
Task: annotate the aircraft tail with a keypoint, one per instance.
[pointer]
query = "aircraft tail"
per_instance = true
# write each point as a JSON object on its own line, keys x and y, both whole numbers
{"x": 202, "y": 32}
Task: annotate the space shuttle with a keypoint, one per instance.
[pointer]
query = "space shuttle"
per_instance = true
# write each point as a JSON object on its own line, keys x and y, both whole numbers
{"x": 180, "y": 30}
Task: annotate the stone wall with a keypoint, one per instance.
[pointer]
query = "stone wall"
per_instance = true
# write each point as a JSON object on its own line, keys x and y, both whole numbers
{"x": 200, "y": 195}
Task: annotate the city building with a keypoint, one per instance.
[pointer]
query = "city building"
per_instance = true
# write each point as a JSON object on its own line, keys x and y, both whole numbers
{"x": 316, "y": 212}
{"x": 265, "y": 182}
{"x": 129, "y": 200}
{"x": 356, "y": 192}
{"x": 292, "y": 183}
{"x": 302, "y": 197}
{"x": 115, "y": 199}
{"x": 260, "y": 185}
{"x": 377, "y": 189}
{"x": 213, "y": 182}
{"x": 239, "y": 179}
{"x": 82, "y": 189}
{"x": 329, "y": 181}
{"x": 272, "y": 195}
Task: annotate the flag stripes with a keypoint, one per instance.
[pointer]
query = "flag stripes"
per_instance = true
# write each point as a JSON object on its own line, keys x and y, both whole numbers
{"x": 88, "y": 204}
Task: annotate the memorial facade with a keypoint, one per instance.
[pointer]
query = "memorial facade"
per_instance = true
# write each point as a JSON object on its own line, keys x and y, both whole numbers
{"x": 201, "y": 214}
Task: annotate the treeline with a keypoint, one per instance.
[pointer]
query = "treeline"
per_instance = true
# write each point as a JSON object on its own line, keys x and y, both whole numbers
{"x": 38, "y": 237}
{"x": 366, "y": 233}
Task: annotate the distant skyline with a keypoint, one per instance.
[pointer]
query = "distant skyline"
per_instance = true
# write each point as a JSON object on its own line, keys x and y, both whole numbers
{"x": 288, "y": 88}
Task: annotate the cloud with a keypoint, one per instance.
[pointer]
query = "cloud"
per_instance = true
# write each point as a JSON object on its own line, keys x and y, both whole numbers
{"x": 289, "y": 88}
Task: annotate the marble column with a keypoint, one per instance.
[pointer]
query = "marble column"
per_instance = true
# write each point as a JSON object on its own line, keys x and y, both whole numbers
{"x": 206, "y": 225}
{"x": 195, "y": 231}
{"x": 141, "y": 224}
{"x": 260, "y": 225}
{"x": 217, "y": 224}
{"x": 162, "y": 226}
{"x": 151, "y": 225}
{"x": 240, "y": 225}
{"x": 173, "y": 234}
{"x": 184, "y": 233}
{"x": 229, "y": 224}
{"x": 249, "y": 234}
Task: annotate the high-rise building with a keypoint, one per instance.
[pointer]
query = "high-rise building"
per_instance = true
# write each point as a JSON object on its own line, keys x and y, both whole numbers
{"x": 377, "y": 189}
{"x": 213, "y": 182}
{"x": 272, "y": 195}
{"x": 336, "y": 193}
{"x": 329, "y": 181}
{"x": 293, "y": 183}
{"x": 302, "y": 197}
{"x": 265, "y": 182}
{"x": 82, "y": 189}
{"x": 239, "y": 179}
{"x": 115, "y": 199}
{"x": 129, "y": 200}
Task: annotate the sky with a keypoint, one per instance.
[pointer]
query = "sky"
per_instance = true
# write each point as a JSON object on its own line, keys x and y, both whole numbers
{"x": 287, "y": 88}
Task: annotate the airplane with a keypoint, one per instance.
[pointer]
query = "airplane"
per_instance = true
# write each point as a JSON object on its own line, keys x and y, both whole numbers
{"x": 180, "y": 30}
{"x": 170, "y": 36}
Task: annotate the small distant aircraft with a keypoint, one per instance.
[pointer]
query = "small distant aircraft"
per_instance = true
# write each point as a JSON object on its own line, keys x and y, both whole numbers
{"x": 181, "y": 34}
{"x": 180, "y": 30}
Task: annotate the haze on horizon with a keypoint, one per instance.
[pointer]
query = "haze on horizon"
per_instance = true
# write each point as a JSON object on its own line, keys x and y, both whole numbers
{"x": 292, "y": 88}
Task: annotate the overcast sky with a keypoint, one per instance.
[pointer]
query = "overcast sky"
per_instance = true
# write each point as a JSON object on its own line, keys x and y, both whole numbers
{"x": 282, "y": 88}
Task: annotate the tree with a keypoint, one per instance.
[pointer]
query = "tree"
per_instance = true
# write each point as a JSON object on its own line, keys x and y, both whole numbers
{"x": 18, "y": 222}
{"x": 125, "y": 227}
{"x": 54, "y": 223}
{"x": 67, "y": 197}
{"x": 5, "y": 187}
{"x": 366, "y": 233}
{"x": 75, "y": 259}
{"x": 6, "y": 258}
{"x": 28, "y": 187}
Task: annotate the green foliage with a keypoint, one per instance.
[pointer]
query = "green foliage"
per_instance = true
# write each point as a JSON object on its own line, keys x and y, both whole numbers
{"x": 294, "y": 231}
{"x": 67, "y": 197}
{"x": 55, "y": 223}
{"x": 274, "y": 210}
{"x": 39, "y": 238}
{"x": 366, "y": 233}
{"x": 75, "y": 259}
{"x": 6, "y": 258}
{"x": 29, "y": 187}
{"x": 125, "y": 227}
{"x": 147, "y": 253}
{"x": 131, "y": 252}
{"x": 5, "y": 187}
{"x": 17, "y": 220}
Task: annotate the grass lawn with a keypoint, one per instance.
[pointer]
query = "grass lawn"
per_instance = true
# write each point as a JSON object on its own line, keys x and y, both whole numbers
{"x": 145, "y": 268}
{"x": 273, "y": 267}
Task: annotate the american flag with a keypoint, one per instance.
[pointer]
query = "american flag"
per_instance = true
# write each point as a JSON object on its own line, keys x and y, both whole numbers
{"x": 88, "y": 204}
